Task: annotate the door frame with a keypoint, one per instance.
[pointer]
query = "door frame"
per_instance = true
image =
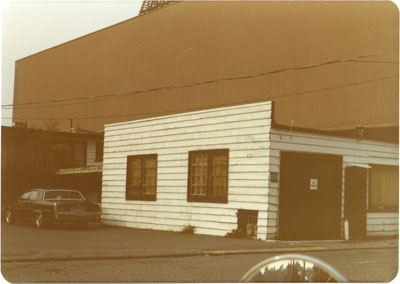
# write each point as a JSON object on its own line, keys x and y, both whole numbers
{"x": 331, "y": 157}
{"x": 357, "y": 220}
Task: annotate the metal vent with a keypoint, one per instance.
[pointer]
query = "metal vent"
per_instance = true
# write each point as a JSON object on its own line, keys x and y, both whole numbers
{"x": 247, "y": 222}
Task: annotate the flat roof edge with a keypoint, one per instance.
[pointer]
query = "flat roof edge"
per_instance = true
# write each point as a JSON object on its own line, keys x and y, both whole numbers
{"x": 328, "y": 133}
{"x": 189, "y": 113}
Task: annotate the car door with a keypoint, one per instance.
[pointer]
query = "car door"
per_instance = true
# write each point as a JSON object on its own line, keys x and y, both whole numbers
{"x": 20, "y": 207}
{"x": 31, "y": 204}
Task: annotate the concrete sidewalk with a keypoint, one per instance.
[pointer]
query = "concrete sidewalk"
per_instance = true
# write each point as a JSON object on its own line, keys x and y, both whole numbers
{"x": 106, "y": 242}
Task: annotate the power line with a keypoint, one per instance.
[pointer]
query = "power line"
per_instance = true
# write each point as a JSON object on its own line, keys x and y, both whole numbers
{"x": 375, "y": 120}
{"x": 288, "y": 95}
{"x": 336, "y": 87}
{"x": 383, "y": 119}
{"x": 112, "y": 96}
{"x": 375, "y": 61}
{"x": 210, "y": 106}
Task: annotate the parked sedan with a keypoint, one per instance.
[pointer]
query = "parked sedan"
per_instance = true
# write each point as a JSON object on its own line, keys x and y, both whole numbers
{"x": 45, "y": 206}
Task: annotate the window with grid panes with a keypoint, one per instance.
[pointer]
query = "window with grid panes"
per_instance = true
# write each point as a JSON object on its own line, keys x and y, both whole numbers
{"x": 141, "y": 178}
{"x": 208, "y": 176}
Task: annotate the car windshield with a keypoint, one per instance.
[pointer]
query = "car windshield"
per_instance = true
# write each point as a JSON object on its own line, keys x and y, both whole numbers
{"x": 63, "y": 194}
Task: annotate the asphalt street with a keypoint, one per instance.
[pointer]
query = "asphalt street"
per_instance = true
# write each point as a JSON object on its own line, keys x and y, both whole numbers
{"x": 375, "y": 265}
{"x": 93, "y": 237}
{"x": 132, "y": 255}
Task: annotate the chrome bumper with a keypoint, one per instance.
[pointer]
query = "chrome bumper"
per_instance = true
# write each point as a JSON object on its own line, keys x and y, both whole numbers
{"x": 68, "y": 216}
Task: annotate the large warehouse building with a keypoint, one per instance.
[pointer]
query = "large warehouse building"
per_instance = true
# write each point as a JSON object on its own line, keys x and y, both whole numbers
{"x": 327, "y": 65}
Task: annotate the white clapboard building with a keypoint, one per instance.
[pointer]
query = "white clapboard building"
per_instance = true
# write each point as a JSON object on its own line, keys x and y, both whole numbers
{"x": 233, "y": 170}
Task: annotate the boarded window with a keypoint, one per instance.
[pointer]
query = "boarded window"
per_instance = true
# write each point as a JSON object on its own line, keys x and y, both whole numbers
{"x": 141, "y": 178}
{"x": 383, "y": 188}
{"x": 208, "y": 176}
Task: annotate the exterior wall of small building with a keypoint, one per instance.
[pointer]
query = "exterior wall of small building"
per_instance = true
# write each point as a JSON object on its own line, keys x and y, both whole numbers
{"x": 254, "y": 152}
{"x": 382, "y": 223}
{"x": 354, "y": 151}
{"x": 39, "y": 155}
{"x": 244, "y": 130}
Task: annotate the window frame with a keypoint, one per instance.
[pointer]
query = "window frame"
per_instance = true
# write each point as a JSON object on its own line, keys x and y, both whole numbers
{"x": 61, "y": 190}
{"x": 207, "y": 198}
{"x": 375, "y": 209}
{"x": 28, "y": 193}
{"x": 143, "y": 197}
{"x": 32, "y": 197}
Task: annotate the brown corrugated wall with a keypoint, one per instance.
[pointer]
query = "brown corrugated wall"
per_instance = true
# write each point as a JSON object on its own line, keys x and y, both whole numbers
{"x": 192, "y": 42}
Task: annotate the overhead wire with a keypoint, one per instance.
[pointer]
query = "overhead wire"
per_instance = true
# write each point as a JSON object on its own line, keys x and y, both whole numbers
{"x": 370, "y": 120}
{"x": 270, "y": 97}
{"x": 375, "y": 61}
{"x": 91, "y": 99}
{"x": 374, "y": 120}
{"x": 208, "y": 106}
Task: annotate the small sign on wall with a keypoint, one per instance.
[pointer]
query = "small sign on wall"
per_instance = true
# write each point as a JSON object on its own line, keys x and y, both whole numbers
{"x": 313, "y": 184}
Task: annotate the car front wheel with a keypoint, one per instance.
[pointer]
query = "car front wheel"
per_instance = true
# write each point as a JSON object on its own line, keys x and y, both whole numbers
{"x": 39, "y": 221}
{"x": 9, "y": 216}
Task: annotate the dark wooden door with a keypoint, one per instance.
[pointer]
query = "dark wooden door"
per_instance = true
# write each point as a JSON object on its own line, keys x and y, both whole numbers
{"x": 355, "y": 203}
{"x": 310, "y": 196}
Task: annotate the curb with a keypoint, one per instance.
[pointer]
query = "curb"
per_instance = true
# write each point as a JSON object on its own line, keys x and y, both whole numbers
{"x": 286, "y": 250}
{"x": 127, "y": 255}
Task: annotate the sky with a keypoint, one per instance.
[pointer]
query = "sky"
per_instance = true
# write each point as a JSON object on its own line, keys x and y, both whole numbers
{"x": 30, "y": 26}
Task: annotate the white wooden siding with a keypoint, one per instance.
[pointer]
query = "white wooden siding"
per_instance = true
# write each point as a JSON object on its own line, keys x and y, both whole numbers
{"x": 244, "y": 130}
{"x": 91, "y": 154}
{"x": 353, "y": 151}
{"x": 382, "y": 223}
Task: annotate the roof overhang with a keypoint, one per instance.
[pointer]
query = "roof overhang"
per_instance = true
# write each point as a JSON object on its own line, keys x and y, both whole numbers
{"x": 84, "y": 170}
